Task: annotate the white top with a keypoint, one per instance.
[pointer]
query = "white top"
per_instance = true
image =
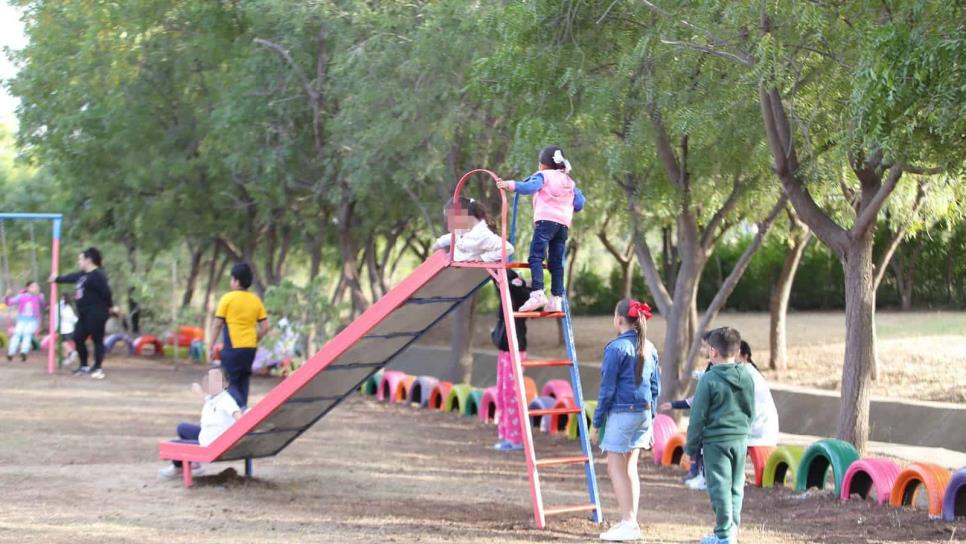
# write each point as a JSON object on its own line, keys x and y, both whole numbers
{"x": 476, "y": 244}
{"x": 216, "y": 416}
{"x": 764, "y": 428}
{"x": 68, "y": 319}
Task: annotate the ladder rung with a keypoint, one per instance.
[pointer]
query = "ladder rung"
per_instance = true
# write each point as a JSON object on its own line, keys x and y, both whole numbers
{"x": 538, "y": 363}
{"x": 573, "y": 508}
{"x": 539, "y": 315}
{"x": 554, "y": 461}
{"x": 554, "y": 411}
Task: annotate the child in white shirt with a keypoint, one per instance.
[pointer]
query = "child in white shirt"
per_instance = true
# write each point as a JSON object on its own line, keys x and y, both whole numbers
{"x": 474, "y": 239}
{"x": 218, "y": 414}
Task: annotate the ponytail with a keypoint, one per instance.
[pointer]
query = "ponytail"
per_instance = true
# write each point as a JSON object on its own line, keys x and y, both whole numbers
{"x": 636, "y": 315}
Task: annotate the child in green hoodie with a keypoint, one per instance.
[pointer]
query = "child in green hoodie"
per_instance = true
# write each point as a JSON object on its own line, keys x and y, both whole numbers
{"x": 721, "y": 415}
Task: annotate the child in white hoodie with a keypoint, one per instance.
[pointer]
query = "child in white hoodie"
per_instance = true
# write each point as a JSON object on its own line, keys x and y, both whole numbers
{"x": 764, "y": 427}
{"x": 474, "y": 239}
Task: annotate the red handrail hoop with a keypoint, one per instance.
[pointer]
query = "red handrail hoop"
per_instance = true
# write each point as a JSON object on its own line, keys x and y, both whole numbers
{"x": 456, "y": 208}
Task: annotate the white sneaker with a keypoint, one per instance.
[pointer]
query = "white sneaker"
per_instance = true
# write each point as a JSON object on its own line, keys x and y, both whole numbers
{"x": 97, "y": 374}
{"x": 555, "y": 304}
{"x": 71, "y": 358}
{"x": 697, "y": 483}
{"x": 171, "y": 472}
{"x": 622, "y": 532}
{"x": 537, "y": 300}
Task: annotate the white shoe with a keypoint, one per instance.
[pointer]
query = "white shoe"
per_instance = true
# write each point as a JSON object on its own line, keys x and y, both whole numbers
{"x": 555, "y": 304}
{"x": 697, "y": 483}
{"x": 71, "y": 358}
{"x": 171, "y": 472}
{"x": 97, "y": 374}
{"x": 537, "y": 300}
{"x": 622, "y": 532}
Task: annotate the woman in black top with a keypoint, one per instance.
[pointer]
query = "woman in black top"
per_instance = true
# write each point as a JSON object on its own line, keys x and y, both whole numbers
{"x": 94, "y": 305}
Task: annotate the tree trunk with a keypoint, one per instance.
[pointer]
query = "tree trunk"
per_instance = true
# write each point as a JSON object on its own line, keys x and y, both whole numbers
{"x": 347, "y": 249}
{"x": 778, "y": 306}
{"x": 860, "y": 340}
{"x": 460, "y": 367}
{"x": 677, "y": 338}
{"x": 627, "y": 269}
{"x": 193, "y": 271}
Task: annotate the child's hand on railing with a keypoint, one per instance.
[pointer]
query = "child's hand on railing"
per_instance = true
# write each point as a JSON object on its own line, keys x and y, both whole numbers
{"x": 503, "y": 184}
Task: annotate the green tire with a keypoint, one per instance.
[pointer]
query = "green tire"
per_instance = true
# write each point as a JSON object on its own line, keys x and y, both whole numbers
{"x": 819, "y": 458}
{"x": 471, "y": 407}
{"x": 371, "y": 385}
{"x": 457, "y": 398}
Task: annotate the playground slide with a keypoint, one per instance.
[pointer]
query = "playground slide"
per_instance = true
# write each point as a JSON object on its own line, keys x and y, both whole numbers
{"x": 369, "y": 343}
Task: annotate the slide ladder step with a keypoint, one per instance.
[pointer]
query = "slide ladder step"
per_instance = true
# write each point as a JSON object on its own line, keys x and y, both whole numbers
{"x": 557, "y": 461}
{"x": 542, "y": 363}
{"x": 555, "y": 411}
{"x": 570, "y": 508}
{"x": 539, "y": 315}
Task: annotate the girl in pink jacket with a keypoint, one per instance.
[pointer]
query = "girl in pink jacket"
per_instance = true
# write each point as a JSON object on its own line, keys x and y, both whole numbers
{"x": 555, "y": 199}
{"x": 28, "y": 304}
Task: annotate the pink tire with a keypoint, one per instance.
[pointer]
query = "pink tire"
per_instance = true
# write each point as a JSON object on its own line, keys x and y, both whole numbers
{"x": 664, "y": 428}
{"x": 865, "y": 475}
{"x": 389, "y": 385}
{"x": 557, "y": 389}
{"x": 488, "y": 412}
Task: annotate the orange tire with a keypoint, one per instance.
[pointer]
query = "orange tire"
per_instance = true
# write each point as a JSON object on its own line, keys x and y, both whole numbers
{"x": 759, "y": 457}
{"x": 935, "y": 479}
{"x": 674, "y": 451}
{"x": 531, "y": 388}
{"x": 402, "y": 389}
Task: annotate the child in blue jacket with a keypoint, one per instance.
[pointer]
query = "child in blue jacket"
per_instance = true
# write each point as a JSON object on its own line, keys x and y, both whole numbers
{"x": 629, "y": 387}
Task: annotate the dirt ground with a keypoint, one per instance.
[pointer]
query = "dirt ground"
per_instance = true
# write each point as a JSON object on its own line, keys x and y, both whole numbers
{"x": 78, "y": 464}
{"x": 922, "y": 354}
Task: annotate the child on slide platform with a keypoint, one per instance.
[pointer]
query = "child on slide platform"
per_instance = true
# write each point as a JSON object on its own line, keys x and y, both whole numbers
{"x": 218, "y": 414}
{"x": 474, "y": 239}
{"x": 556, "y": 198}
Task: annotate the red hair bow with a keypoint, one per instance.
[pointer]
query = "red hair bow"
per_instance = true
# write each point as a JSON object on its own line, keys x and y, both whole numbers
{"x": 637, "y": 309}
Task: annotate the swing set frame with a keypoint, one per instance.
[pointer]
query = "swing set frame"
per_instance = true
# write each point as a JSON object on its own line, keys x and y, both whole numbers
{"x": 52, "y": 327}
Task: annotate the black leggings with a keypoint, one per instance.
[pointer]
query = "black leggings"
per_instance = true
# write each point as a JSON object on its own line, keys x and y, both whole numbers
{"x": 92, "y": 326}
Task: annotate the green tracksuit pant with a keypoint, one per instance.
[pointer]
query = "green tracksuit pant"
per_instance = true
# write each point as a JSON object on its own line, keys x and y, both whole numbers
{"x": 724, "y": 471}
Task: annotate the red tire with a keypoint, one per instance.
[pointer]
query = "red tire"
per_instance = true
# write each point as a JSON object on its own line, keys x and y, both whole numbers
{"x": 148, "y": 340}
{"x": 759, "y": 457}
{"x": 558, "y": 422}
{"x": 664, "y": 428}
{"x": 438, "y": 395}
{"x": 866, "y": 475}
{"x": 935, "y": 479}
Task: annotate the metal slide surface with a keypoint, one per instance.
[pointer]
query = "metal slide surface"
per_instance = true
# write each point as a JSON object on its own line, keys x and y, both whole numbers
{"x": 369, "y": 343}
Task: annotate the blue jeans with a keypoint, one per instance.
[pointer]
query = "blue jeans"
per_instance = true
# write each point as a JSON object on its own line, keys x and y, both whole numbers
{"x": 550, "y": 239}
{"x": 188, "y": 433}
{"x": 237, "y": 364}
